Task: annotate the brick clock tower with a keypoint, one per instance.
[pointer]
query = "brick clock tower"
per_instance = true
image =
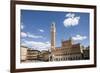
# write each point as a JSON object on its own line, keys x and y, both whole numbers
{"x": 53, "y": 38}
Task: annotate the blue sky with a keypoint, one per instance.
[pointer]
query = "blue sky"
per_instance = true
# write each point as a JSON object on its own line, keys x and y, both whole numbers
{"x": 35, "y": 28}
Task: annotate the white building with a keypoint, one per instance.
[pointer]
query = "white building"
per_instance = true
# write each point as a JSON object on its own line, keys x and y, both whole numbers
{"x": 23, "y": 53}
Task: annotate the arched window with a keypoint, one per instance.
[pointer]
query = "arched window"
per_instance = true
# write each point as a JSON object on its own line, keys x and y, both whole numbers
{"x": 56, "y": 59}
{"x": 76, "y": 58}
{"x": 66, "y": 58}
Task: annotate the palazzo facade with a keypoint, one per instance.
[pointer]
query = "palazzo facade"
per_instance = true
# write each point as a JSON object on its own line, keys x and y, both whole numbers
{"x": 67, "y": 51}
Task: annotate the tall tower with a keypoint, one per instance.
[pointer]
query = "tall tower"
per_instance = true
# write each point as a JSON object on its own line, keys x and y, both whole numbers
{"x": 53, "y": 36}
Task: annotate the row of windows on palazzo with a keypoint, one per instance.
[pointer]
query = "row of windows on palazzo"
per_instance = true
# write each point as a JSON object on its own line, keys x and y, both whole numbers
{"x": 67, "y": 58}
{"x": 65, "y": 54}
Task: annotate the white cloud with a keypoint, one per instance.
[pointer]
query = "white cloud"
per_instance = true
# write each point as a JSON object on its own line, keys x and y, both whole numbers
{"x": 70, "y": 15}
{"x": 37, "y": 45}
{"x": 41, "y": 30}
{"x": 71, "y": 20}
{"x": 22, "y": 26}
{"x": 23, "y": 34}
{"x": 34, "y": 36}
{"x": 79, "y": 37}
